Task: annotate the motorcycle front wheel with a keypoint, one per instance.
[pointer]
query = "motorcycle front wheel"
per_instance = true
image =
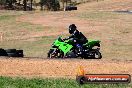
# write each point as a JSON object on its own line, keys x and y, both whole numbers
{"x": 54, "y": 53}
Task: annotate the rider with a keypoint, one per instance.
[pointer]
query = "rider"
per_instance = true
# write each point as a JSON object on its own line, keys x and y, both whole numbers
{"x": 78, "y": 38}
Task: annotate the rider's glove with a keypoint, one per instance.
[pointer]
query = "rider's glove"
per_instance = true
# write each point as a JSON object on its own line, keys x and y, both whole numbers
{"x": 66, "y": 38}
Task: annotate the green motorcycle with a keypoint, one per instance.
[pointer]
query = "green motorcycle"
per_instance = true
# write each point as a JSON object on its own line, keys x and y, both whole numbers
{"x": 66, "y": 49}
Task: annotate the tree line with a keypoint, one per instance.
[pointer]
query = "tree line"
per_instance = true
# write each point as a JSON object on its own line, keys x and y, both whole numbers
{"x": 53, "y": 5}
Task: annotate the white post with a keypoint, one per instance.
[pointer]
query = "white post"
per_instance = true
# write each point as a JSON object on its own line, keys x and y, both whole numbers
{"x": 1, "y": 36}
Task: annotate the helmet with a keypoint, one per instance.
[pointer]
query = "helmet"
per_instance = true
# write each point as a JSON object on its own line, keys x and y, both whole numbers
{"x": 72, "y": 28}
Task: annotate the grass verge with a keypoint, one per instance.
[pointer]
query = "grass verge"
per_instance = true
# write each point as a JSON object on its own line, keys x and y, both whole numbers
{"x": 34, "y": 48}
{"x": 8, "y": 82}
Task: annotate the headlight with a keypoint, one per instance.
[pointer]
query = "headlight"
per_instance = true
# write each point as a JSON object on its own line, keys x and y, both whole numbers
{"x": 52, "y": 45}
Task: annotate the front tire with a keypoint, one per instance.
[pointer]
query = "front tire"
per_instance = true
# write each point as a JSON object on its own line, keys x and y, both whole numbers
{"x": 50, "y": 53}
{"x": 54, "y": 53}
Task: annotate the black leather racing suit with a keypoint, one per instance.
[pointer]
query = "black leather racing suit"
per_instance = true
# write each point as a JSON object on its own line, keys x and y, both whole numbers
{"x": 79, "y": 39}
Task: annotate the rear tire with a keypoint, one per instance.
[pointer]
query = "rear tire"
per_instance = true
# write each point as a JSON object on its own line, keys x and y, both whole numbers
{"x": 93, "y": 54}
{"x": 97, "y": 55}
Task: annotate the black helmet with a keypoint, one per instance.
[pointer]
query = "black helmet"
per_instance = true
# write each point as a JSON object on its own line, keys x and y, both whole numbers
{"x": 72, "y": 28}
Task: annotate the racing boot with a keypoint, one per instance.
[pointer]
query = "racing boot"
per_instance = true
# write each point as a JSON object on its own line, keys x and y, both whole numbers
{"x": 80, "y": 51}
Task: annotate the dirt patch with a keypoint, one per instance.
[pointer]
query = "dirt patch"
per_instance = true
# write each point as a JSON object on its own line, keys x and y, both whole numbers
{"x": 61, "y": 68}
{"x": 59, "y": 21}
{"x": 107, "y": 5}
{"x": 59, "y": 24}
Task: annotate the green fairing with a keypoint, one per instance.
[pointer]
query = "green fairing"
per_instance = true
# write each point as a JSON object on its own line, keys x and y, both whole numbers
{"x": 66, "y": 47}
{"x": 63, "y": 46}
{"x": 91, "y": 43}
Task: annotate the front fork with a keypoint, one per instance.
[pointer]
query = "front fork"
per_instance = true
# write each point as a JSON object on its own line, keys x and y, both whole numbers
{"x": 57, "y": 53}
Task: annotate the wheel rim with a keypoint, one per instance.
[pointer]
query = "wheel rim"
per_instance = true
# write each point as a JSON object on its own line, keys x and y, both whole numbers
{"x": 96, "y": 55}
{"x": 52, "y": 55}
{"x": 55, "y": 54}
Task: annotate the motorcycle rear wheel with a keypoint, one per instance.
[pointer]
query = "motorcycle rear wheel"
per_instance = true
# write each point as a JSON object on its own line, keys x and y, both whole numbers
{"x": 97, "y": 54}
{"x": 93, "y": 54}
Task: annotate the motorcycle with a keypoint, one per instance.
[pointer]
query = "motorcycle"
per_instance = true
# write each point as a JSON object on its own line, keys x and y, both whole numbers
{"x": 65, "y": 49}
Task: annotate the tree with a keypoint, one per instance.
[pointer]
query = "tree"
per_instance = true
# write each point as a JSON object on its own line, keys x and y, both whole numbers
{"x": 2, "y": 2}
{"x": 65, "y": 1}
{"x": 42, "y": 3}
{"x": 25, "y": 5}
{"x": 50, "y": 4}
{"x": 55, "y": 5}
{"x": 10, "y": 3}
{"x": 31, "y": 4}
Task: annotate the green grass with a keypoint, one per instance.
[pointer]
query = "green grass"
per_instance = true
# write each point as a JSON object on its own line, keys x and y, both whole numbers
{"x": 36, "y": 48}
{"x": 30, "y": 27}
{"x": 8, "y": 82}
{"x": 6, "y": 17}
{"x": 12, "y": 28}
{"x": 97, "y": 15}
